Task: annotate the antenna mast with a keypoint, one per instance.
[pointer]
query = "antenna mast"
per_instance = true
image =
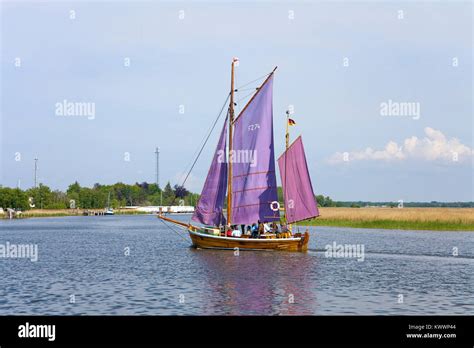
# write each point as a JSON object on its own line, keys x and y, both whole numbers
{"x": 36, "y": 172}
{"x": 157, "y": 152}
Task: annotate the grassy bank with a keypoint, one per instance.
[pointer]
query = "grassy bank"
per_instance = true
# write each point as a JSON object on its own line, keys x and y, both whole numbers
{"x": 437, "y": 219}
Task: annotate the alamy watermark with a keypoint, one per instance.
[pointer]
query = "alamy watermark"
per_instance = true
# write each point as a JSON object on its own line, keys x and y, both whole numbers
{"x": 335, "y": 250}
{"x": 405, "y": 109}
{"x": 68, "y": 108}
{"x": 19, "y": 251}
{"x": 28, "y": 330}
{"x": 238, "y": 156}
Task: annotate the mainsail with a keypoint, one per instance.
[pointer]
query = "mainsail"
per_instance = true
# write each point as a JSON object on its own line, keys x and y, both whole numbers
{"x": 300, "y": 203}
{"x": 254, "y": 186}
{"x": 209, "y": 208}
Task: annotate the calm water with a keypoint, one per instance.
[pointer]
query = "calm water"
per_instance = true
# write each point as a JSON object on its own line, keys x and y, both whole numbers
{"x": 84, "y": 257}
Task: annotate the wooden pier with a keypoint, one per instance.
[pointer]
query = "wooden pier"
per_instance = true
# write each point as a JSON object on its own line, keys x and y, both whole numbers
{"x": 88, "y": 212}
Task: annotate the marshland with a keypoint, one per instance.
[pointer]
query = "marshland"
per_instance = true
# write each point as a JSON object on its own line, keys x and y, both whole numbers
{"x": 438, "y": 219}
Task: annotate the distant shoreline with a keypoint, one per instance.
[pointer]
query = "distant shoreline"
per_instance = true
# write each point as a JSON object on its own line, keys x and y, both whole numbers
{"x": 34, "y": 213}
{"x": 435, "y": 219}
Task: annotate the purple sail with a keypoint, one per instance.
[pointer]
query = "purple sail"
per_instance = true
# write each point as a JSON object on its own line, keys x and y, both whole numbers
{"x": 209, "y": 208}
{"x": 254, "y": 187}
{"x": 300, "y": 203}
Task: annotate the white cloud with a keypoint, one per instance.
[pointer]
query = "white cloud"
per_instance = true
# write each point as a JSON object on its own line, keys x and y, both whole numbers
{"x": 435, "y": 146}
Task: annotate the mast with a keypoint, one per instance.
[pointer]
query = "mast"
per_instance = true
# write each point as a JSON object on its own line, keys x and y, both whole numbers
{"x": 229, "y": 159}
{"x": 232, "y": 122}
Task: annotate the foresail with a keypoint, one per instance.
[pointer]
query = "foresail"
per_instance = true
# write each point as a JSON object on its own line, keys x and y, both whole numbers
{"x": 209, "y": 208}
{"x": 254, "y": 187}
{"x": 300, "y": 203}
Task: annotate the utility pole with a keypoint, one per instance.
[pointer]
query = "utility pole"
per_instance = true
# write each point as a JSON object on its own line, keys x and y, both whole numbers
{"x": 157, "y": 152}
{"x": 36, "y": 172}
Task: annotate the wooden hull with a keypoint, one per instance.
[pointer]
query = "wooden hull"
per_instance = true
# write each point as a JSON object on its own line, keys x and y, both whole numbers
{"x": 205, "y": 241}
{"x": 208, "y": 241}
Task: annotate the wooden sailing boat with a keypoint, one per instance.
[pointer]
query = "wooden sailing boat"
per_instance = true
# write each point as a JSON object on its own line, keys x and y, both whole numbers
{"x": 245, "y": 169}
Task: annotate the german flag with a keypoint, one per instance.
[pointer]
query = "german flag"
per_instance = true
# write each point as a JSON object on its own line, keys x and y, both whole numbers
{"x": 291, "y": 122}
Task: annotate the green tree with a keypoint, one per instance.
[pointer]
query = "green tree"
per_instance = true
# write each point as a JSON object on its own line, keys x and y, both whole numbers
{"x": 75, "y": 197}
{"x": 42, "y": 196}
{"x": 329, "y": 202}
{"x": 168, "y": 195}
{"x": 13, "y": 198}
{"x": 59, "y": 200}
{"x": 153, "y": 189}
{"x": 180, "y": 191}
{"x": 74, "y": 188}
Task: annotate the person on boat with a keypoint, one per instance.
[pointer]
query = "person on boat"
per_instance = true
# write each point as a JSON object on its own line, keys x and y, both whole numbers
{"x": 266, "y": 227}
{"x": 249, "y": 230}
{"x": 242, "y": 228}
{"x": 228, "y": 232}
{"x": 223, "y": 230}
{"x": 261, "y": 229}
{"x": 236, "y": 232}
{"x": 254, "y": 231}
{"x": 275, "y": 227}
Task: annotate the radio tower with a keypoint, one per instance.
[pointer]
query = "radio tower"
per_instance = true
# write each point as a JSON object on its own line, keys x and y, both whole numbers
{"x": 157, "y": 152}
{"x": 36, "y": 172}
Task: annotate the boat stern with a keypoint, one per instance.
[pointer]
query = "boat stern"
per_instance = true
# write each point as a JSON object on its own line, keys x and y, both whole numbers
{"x": 303, "y": 244}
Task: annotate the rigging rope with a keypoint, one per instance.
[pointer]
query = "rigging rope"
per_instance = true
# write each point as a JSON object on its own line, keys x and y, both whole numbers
{"x": 246, "y": 89}
{"x": 248, "y": 95}
{"x": 204, "y": 144}
{"x": 209, "y": 131}
{"x": 172, "y": 229}
{"x": 248, "y": 83}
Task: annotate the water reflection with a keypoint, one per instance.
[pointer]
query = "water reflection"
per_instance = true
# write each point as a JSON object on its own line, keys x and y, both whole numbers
{"x": 257, "y": 282}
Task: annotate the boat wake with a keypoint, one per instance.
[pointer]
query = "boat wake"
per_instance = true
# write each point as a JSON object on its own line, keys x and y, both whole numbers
{"x": 423, "y": 256}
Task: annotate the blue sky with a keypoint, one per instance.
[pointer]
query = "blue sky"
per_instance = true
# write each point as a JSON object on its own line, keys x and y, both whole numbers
{"x": 403, "y": 56}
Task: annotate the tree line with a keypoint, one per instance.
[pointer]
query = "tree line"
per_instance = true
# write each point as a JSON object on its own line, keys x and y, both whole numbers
{"x": 96, "y": 197}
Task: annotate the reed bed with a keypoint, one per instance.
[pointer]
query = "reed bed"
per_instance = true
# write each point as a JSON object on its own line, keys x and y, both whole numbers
{"x": 456, "y": 219}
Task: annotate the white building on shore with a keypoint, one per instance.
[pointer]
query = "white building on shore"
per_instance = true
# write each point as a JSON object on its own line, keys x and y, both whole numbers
{"x": 174, "y": 209}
